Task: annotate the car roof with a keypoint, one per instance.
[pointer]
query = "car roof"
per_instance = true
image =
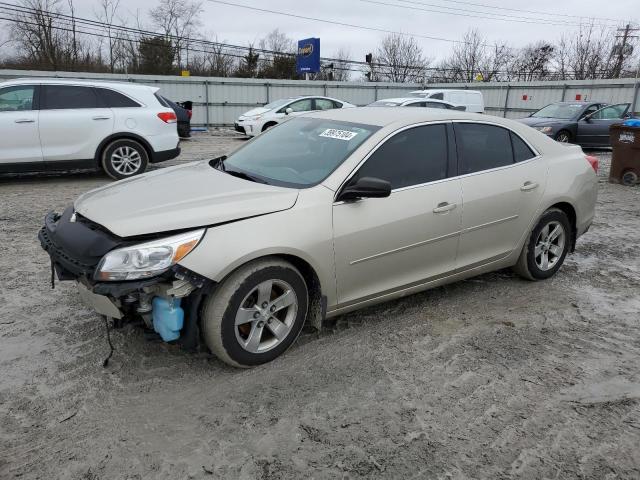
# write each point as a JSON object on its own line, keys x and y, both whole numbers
{"x": 75, "y": 81}
{"x": 400, "y": 115}
{"x": 577, "y": 102}
{"x": 412, "y": 99}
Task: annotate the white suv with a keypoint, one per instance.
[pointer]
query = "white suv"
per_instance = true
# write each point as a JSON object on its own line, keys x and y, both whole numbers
{"x": 58, "y": 124}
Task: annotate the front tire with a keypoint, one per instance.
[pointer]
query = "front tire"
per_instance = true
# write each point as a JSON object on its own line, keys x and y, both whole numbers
{"x": 563, "y": 136}
{"x": 124, "y": 158}
{"x": 546, "y": 248}
{"x": 256, "y": 313}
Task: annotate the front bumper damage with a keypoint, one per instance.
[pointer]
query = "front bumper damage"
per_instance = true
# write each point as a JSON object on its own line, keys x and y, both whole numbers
{"x": 169, "y": 303}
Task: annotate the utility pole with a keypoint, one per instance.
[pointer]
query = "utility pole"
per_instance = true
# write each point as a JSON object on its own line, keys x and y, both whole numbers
{"x": 623, "y": 48}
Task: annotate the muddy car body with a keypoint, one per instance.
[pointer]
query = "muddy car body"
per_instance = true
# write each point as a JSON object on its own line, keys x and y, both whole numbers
{"x": 325, "y": 214}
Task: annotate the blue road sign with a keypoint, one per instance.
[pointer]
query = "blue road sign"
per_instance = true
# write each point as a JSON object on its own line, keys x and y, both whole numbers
{"x": 308, "y": 56}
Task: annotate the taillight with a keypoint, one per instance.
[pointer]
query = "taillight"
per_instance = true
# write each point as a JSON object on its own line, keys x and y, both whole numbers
{"x": 189, "y": 113}
{"x": 168, "y": 117}
{"x": 593, "y": 161}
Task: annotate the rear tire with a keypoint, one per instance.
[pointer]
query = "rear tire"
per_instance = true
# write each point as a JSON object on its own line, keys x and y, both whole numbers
{"x": 546, "y": 248}
{"x": 124, "y": 158}
{"x": 256, "y": 313}
{"x": 629, "y": 178}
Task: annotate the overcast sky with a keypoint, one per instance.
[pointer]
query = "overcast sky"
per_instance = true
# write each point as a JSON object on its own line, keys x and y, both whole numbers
{"x": 240, "y": 26}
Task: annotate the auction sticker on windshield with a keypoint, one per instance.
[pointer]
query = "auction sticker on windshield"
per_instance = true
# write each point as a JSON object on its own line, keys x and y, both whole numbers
{"x": 338, "y": 134}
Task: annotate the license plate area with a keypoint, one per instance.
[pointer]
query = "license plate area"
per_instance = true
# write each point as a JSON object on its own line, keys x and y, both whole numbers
{"x": 100, "y": 303}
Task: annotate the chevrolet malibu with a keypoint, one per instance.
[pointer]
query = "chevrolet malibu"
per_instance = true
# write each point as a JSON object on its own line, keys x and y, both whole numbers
{"x": 324, "y": 214}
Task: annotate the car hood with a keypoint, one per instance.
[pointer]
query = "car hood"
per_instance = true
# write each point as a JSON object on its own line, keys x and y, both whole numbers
{"x": 255, "y": 111}
{"x": 181, "y": 197}
{"x": 538, "y": 122}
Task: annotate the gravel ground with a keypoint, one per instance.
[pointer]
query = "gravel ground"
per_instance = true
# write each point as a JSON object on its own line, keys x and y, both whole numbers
{"x": 494, "y": 377}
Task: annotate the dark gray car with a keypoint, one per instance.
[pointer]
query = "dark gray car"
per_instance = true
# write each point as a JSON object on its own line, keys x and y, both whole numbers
{"x": 583, "y": 123}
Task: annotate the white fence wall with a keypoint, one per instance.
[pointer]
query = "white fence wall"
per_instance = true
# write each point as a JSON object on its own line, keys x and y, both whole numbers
{"x": 219, "y": 101}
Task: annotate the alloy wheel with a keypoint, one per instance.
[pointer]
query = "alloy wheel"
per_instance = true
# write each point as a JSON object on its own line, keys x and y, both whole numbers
{"x": 126, "y": 160}
{"x": 550, "y": 245}
{"x": 266, "y": 316}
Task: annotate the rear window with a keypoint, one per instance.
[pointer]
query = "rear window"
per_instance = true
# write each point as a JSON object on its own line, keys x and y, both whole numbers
{"x": 65, "y": 97}
{"x": 437, "y": 96}
{"x": 482, "y": 147}
{"x": 162, "y": 101}
{"x": 112, "y": 99}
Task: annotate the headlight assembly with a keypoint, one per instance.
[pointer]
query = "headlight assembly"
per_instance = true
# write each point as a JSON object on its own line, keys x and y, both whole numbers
{"x": 546, "y": 130}
{"x": 146, "y": 259}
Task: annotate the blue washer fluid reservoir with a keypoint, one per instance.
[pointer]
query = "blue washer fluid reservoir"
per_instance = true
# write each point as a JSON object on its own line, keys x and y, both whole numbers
{"x": 168, "y": 317}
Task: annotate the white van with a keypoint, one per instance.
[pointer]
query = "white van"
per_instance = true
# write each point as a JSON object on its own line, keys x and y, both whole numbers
{"x": 472, "y": 99}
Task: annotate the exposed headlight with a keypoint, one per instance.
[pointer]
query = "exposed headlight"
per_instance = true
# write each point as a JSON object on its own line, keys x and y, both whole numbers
{"x": 146, "y": 259}
{"x": 544, "y": 129}
{"x": 255, "y": 117}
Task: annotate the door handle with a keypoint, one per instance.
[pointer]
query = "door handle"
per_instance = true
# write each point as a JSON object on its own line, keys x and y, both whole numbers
{"x": 444, "y": 207}
{"x": 529, "y": 186}
{"x": 25, "y": 120}
{"x": 101, "y": 118}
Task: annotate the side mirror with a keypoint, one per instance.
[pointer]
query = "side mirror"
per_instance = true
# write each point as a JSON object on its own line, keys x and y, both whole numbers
{"x": 366, "y": 187}
{"x": 288, "y": 111}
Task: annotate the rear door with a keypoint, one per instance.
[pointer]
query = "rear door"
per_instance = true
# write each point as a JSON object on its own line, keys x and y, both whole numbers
{"x": 503, "y": 181}
{"x": 595, "y": 129}
{"x": 72, "y": 124}
{"x": 384, "y": 244}
{"x": 19, "y": 140}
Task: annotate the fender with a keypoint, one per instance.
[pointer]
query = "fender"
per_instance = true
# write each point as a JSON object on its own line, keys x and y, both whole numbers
{"x": 118, "y": 136}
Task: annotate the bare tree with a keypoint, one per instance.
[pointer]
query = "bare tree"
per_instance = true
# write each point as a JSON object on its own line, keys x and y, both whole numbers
{"x": 337, "y": 68}
{"x": 532, "y": 62}
{"x": 282, "y": 63}
{"x": 587, "y": 55}
{"x": 398, "y": 59}
{"x": 177, "y": 20}
{"x": 107, "y": 12}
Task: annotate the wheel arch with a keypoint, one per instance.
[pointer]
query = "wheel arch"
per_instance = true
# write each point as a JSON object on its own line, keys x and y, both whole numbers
{"x": 570, "y": 211}
{"x": 121, "y": 136}
{"x": 270, "y": 123}
{"x": 317, "y": 297}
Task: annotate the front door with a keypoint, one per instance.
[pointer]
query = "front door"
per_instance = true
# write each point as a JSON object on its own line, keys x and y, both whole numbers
{"x": 502, "y": 186}
{"x": 71, "y": 124}
{"x": 384, "y": 244}
{"x": 594, "y": 130}
{"x": 19, "y": 140}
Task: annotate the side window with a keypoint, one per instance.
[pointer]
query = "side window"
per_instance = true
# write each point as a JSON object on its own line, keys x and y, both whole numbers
{"x": 411, "y": 157}
{"x": 521, "y": 150}
{"x": 482, "y": 147}
{"x": 324, "y": 104}
{"x": 301, "y": 105}
{"x": 414, "y": 104}
{"x": 18, "y": 98}
{"x": 68, "y": 97}
{"x": 112, "y": 99}
{"x": 437, "y": 96}
{"x": 611, "y": 113}
{"x": 435, "y": 105}
{"x": 337, "y": 104}
{"x": 590, "y": 110}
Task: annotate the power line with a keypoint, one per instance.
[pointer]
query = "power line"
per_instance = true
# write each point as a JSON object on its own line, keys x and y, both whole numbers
{"x": 89, "y": 28}
{"x": 335, "y": 22}
{"x": 475, "y": 13}
{"x": 510, "y": 9}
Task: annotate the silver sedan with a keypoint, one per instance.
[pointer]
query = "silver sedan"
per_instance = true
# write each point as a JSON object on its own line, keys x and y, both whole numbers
{"x": 324, "y": 214}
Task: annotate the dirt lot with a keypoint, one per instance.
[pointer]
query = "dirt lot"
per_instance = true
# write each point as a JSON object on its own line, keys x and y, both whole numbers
{"x": 494, "y": 377}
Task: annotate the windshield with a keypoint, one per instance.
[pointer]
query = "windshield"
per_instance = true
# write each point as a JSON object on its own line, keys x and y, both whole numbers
{"x": 277, "y": 103}
{"x": 298, "y": 153}
{"x": 564, "y": 111}
{"x": 385, "y": 103}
